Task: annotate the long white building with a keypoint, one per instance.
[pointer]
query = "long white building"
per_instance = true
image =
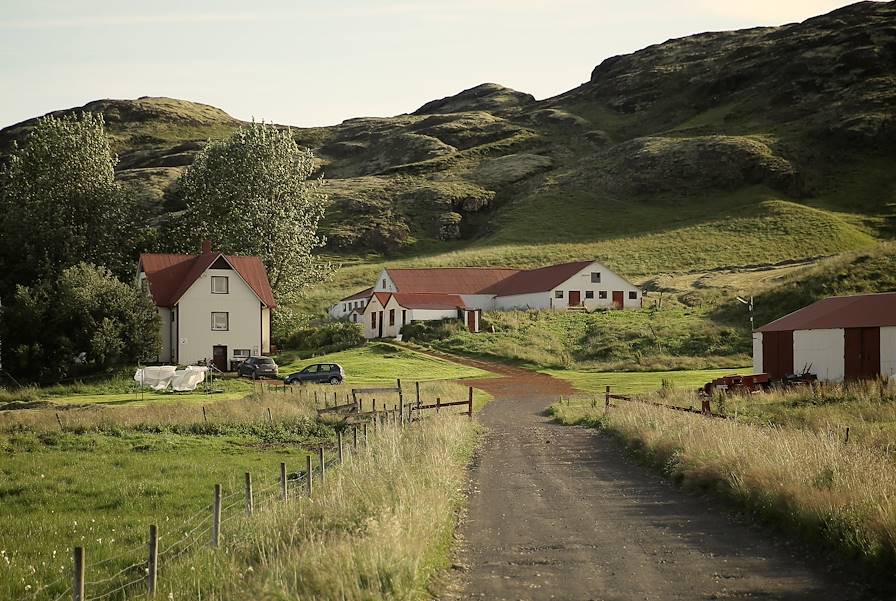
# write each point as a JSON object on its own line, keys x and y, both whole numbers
{"x": 402, "y": 296}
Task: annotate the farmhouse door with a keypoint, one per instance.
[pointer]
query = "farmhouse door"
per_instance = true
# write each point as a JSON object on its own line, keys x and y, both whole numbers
{"x": 618, "y": 299}
{"x": 471, "y": 321}
{"x": 777, "y": 354}
{"x": 575, "y": 298}
{"x": 219, "y": 357}
{"x": 381, "y": 325}
{"x": 861, "y": 360}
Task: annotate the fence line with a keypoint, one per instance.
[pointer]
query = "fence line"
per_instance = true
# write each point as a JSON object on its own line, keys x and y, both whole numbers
{"x": 196, "y": 528}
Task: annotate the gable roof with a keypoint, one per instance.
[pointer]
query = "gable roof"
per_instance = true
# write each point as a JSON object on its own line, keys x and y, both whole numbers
{"x": 860, "y": 311}
{"x": 449, "y": 280}
{"x": 170, "y": 276}
{"x": 358, "y": 295}
{"x": 540, "y": 280}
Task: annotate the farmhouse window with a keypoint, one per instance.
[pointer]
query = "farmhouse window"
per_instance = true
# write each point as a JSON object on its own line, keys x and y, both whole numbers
{"x": 589, "y": 294}
{"x": 240, "y": 353}
{"x": 373, "y": 320}
{"x": 404, "y": 317}
{"x": 602, "y": 294}
{"x": 595, "y": 277}
{"x": 391, "y": 317}
{"x": 558, "y": 294}
{"x": 633, "y": 295}
{"x": 384, "y": 284}
{"x": 220, "y": 285}
{"x": 220, "y": 321}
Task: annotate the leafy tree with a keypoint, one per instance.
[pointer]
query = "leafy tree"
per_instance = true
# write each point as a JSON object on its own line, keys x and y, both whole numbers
{"x": 60, "y": 204}
{"x": 251, "y": 194}
{"x": 82, "y": 321}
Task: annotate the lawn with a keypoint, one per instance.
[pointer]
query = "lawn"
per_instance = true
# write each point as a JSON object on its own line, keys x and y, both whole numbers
{"x": 622, "y": 382}
{"x": 380, "y": 363}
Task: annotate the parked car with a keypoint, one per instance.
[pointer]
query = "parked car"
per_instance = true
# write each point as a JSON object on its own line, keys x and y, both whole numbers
{"x": 319, "y": 373}
{"x": 258, "y": 367}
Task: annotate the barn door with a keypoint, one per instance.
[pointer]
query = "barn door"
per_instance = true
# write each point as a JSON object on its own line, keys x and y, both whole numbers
{"x": 861, "y": 360}
{"x": 618, "y": 297}
{"x": 777, "y": 354}
{"x": 575, "y": 298}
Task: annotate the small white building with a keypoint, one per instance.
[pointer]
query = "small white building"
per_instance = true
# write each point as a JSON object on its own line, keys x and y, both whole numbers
{"x": 213, "y": 307}
{"x": 464, "y": 292}
{"x": 838, "y": 338}
{"x": 351, "y": 307}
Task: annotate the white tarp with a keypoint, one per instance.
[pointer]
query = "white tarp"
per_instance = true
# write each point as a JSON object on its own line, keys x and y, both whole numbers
{"x": 155, "y": 377}
{"x": 188, "y": 379}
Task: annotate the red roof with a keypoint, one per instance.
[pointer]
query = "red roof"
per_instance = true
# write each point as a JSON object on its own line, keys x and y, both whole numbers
{"x": 358, "y": 295}
{"x": 170, "y": 276}
{"x": 540, "y": 280}
{"x": 449, "y": 280}
{"x": 861, "y": 311}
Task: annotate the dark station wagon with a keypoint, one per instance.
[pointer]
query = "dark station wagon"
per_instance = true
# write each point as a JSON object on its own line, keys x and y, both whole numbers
{"x": 319, "y": 373}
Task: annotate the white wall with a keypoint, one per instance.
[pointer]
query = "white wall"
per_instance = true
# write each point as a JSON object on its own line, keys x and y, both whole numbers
{"x": 344, "y": 308}
{"x": 535, "y": 300}
{"x": 375, "y": 307}
{"x": 888, "y": 351}
{"x": 609, "y": 282}
{"x": 822, "y": 351}
{"x": 265, "y": 328}
{"x": 166, "y": 330}
{"x": 757, "y": 353}
{"x": 485, "y": 302}
{"x": 431, "y": 314}
{"x": 195, "y": 315}
{"x": 390, "y": 285}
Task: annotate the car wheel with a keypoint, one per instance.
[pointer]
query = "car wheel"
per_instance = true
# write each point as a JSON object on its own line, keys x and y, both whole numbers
{"x": 334, "y": 380}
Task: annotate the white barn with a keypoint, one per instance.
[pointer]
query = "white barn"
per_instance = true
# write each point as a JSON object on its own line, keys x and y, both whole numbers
{"x": 464, "y": 292}
{"x": 838, "y": 338}
{"x": 213, "y": 307}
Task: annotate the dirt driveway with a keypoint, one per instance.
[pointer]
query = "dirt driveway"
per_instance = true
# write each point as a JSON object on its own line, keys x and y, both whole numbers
{"x": 560, "y": 512}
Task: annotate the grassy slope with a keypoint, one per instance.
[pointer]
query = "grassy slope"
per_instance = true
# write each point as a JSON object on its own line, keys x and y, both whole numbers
{"x": 641, "y": 382}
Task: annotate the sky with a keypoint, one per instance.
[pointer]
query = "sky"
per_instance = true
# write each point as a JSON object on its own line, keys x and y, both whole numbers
{"x": 308, "y": 63}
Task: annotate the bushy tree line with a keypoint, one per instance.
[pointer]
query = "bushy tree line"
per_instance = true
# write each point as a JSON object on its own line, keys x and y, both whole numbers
{"x": 70, "y": 237}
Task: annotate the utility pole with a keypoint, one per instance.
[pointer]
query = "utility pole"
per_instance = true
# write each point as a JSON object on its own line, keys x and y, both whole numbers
{"x": 749, "y": 304}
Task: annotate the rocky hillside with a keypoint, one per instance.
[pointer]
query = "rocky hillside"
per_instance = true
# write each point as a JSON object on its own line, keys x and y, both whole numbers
{"x": 689, "y": 129}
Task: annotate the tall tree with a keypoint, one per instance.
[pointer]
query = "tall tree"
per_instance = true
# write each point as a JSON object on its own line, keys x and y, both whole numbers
{"x": 251, "y": 194}
{"x": 60, "y": 204}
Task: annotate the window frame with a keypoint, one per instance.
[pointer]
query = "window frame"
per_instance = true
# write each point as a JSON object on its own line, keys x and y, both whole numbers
{"x": 632, "y": 295}
{"x": 226, "y": 284}
{"x": 391, "y": 318}
{"x": 239, "y": 353}
{"x": 589, "y": 295}
{"x": 602, "y": 294}
{"x": 595, "y": 277}
{"x": 373, "y": 320}
{"x": 226, "y": 315}
{"x": 559, "y": 294}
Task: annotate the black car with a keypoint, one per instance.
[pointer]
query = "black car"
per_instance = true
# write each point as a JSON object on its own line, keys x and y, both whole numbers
{"x": 258, "y": 367}
{"x": 319, "y": 373}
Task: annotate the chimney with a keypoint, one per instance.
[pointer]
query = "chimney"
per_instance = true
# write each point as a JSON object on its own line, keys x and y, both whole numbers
{"x": 206, "y": 247}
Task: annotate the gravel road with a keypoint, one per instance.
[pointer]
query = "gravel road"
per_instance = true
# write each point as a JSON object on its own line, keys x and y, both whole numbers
{"x": 560, "y": 512}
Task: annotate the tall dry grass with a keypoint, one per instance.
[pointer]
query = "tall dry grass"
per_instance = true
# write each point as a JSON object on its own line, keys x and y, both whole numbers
{"x": 378, "y": 527}
{"x": 841, "y": 494}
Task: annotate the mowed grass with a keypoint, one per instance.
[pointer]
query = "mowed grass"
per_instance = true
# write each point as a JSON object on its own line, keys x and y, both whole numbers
{"x": 382, "y": 363}
{"x": 841, "y": 495}
{"x": 621, "y": 382}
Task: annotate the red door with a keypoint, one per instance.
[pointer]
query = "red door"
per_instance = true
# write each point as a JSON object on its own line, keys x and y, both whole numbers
{"x": 861, "y": 358}
{"x": 471, "y": 321}
{"x": 618, "y": 299}
{"x": 777, "y": 354}
{"x": 575, "y": 298}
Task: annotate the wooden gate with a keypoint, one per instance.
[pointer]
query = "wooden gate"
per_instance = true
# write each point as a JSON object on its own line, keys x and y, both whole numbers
{"x": 861, "y": 359}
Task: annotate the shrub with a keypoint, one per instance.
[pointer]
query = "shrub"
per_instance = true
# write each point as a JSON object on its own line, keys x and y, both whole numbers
{"x": 330, "y": 337}
{"x": 427, "y": 331}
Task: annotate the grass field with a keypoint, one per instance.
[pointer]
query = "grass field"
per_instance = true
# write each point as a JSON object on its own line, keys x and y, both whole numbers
{"x": 115, "y": 470}
{"x": 640, "y": 382}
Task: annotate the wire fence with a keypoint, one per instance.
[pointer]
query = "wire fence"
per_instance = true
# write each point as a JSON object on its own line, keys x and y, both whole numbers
{"x": 137, "y": 567}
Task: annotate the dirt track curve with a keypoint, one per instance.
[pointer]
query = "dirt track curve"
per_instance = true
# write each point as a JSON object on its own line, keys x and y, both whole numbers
{"x": 559, "y": 512}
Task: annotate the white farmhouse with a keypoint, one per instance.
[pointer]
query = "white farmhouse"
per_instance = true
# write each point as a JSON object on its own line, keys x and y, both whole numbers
{"x": 838, "y": 338}
{"x": 213, "y": 307}
{"x": 401, "y": 296}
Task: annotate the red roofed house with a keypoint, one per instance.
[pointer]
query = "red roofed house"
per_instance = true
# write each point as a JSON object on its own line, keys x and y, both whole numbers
{"x": 401, "y": 296}
{"x": 842, "y": 337}
{"x": 214, "y": 307}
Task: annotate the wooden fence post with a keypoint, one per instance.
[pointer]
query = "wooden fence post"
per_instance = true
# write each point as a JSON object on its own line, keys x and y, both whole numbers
{"x": 323, "y": 465}
{"x": 339, "y": 442}
{"x": 152, "y": 563}
{"x": 79, "y": 569}
{"x": 365, "y": 435}
{"x": 216, "y": 517}
{"x": 204, "y": 415}
{"x": 250, "y": 502}
{"x": 470, "y": 402}
{"x": 355, "y": 439}
{"x": 61, "y": 427}
{"x": 309, "y": 475}
{"x": 438, "y": 404}
{"x": 400, "y": 416}
{"x": 270, "y": 416}
{"x": 284, "y": 491}
{"x": 607, "y": 402}
{"x": 315, "y": 398}
{"x": 847, "y": 435}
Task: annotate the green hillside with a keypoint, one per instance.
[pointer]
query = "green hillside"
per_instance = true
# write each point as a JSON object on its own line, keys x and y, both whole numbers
{"x": 699, "y": 166}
